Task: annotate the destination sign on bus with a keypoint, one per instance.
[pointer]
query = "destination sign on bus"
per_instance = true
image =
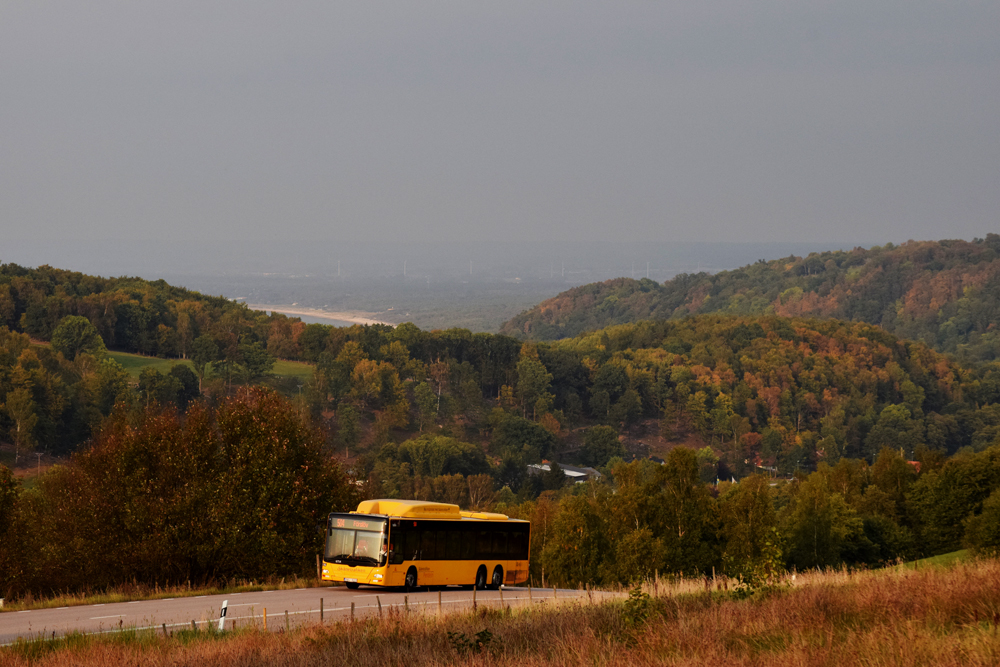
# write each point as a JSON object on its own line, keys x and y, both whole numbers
{"x": 350, "y": 523}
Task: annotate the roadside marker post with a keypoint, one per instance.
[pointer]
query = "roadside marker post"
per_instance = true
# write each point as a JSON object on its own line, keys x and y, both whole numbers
{"x": 321, "y": 611}
{"x": 265, "y": 619}
{"x": 473, "y": 599}
{"x": 352, "y": 611}
{"x": 222, "y": 615}
{"x": 379, "y": 606}
{"x": 287, "y": 626}
{"x": 440, "y": 610}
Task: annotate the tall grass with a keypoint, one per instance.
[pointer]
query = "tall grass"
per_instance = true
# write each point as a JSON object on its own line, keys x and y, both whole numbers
{"x": 891, "y": 617}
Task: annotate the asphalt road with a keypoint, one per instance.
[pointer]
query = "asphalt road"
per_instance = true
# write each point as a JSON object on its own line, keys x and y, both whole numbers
{"x": 302, "y": 606}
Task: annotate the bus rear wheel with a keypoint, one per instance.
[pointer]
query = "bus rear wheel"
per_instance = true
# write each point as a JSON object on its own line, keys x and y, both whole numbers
{"x": 481, "y": 578}
{"x": 497, "y": 578}
{"x": 353, "y": 585}
{"x": 411, "y": 578}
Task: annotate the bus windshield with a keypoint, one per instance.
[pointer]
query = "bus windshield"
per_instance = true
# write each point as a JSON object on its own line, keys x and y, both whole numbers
{"x": 355, "y": 542}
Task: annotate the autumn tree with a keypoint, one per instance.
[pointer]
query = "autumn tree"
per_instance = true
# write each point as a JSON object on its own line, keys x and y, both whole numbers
{"x": 76, "y": 334}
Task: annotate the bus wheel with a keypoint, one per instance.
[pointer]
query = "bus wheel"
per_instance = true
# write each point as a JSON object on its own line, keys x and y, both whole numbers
{"x": 411, "y": 578}
{"x": 353, "y": 585}
{"x": 497, "y": 578}
{"x": 481, "y": 578}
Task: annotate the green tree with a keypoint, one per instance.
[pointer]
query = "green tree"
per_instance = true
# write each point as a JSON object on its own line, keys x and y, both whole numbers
{"x": 575, "y": 552}
{"x": 255, "y": 359}
{"x": 895, "y": 429}
{"x": 533, "y": 384}
{"x": 426, "y": 403}
{"x": 112, "y": 385}
{"x": 600, "y": 445}
{"x": 819, "y": 525}
{"x": 348, "y": 425}
{"x": 204, "y": 351}
{"x": 188, "y": 388}
{"x": 982, "y": 530}
{"x": 23, "y": 411}
{"x": 689, "y": 514}
{"x": 75, "y": 334}
{"x": 748, "y": 528}
{"x": 154, "y": 387}
{"x": 555, "y": 478}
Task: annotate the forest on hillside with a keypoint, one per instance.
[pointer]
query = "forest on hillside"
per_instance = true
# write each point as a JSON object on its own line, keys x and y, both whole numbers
{"x": 838, "y": 441}
{"x": 945, "y": 294}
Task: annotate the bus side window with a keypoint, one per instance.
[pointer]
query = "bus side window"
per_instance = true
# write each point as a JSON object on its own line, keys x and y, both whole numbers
{"x": 454, "y": 549}
{"x": 500, "y": 544}
{"x": 468, "y": 541}
{"x": 483, "y": 545}
{"x": 515, "y": 546}
{"x": 428, "y": 550}
{"x": 441, "y": 545}
{"x": 412, "y": 546}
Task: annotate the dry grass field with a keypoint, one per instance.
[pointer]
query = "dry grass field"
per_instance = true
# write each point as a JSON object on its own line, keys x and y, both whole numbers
{"x": 927, "y": 616}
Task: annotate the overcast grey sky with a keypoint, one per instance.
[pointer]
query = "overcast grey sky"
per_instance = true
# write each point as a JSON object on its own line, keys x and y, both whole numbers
{"x": 760, "y": 120}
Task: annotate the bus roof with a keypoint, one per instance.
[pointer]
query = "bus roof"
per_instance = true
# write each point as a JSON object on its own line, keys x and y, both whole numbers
{"x": 422, "y": 509}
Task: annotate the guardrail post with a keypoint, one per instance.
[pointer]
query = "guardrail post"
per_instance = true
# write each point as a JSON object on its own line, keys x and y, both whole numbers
{"x": 222, "y": 615}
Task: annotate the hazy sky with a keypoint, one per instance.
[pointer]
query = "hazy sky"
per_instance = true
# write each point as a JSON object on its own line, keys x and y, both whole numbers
{"x": 420, "y": 121}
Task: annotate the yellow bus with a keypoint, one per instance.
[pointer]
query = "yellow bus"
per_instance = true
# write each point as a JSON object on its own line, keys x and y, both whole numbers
{"x": 415, "y": 543}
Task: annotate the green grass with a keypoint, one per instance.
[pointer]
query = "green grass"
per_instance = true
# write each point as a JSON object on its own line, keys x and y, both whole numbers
{"x": 294, "y": 369}
{"x": 941, "y": 560}
{"x": 134, "y": 363}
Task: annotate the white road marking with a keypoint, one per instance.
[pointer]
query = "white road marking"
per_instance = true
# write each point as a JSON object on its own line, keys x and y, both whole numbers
{"x": 97, "y": 618}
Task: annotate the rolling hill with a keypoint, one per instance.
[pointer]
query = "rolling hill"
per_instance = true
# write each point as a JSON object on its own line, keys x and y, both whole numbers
{"x": 943, "y": 293}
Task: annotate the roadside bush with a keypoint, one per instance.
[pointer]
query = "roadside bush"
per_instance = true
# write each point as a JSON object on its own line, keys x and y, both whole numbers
{"x": 236, "y": 491}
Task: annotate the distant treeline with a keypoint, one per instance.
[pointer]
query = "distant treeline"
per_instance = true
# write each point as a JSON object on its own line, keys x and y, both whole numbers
{"x": 945, "y": 294}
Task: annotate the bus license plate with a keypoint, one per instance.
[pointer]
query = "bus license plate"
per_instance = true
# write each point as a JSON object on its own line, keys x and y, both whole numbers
{"x": 351, "y": 581}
